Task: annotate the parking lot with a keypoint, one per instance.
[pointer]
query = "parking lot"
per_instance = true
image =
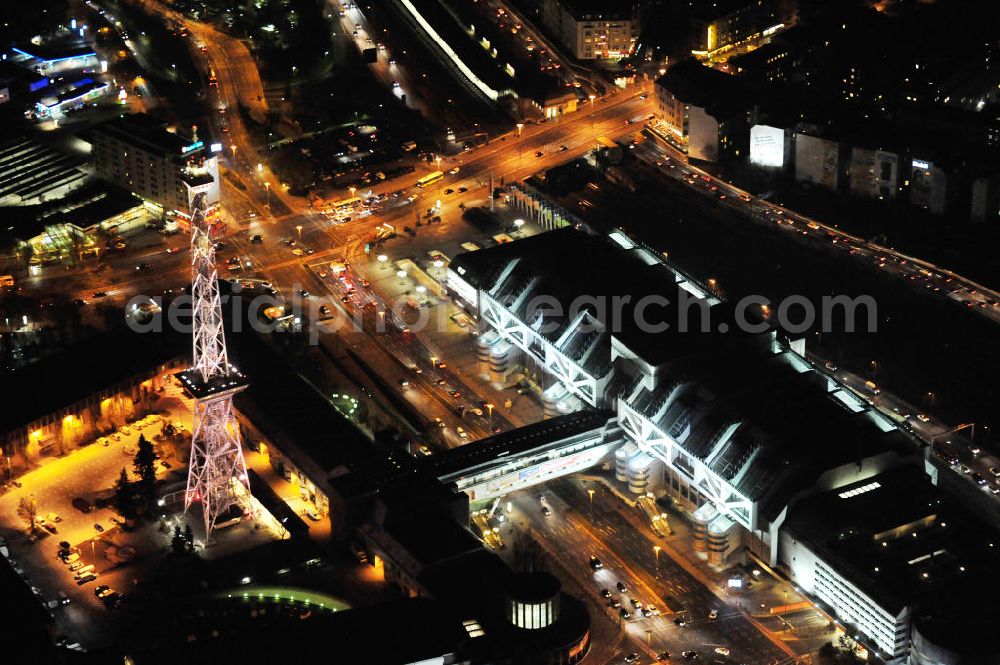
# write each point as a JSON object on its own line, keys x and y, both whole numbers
{"x": 97, "y": 539}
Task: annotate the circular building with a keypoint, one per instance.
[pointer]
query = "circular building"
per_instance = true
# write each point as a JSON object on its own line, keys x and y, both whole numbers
{"x": 554, "y": 626}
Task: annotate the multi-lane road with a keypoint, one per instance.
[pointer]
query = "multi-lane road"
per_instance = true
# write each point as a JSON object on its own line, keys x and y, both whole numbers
{"x": 922, "y": 274}
{"x": 509, "y": 157}
{"x": 577, "y": 530}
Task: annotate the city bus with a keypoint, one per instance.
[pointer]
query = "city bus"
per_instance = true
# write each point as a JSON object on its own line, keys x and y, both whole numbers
{"x": 430, "y": 179}
{"x": 346, "y": 205}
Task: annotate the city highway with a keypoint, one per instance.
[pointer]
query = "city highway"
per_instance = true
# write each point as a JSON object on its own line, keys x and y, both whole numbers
{"x": 386, "y": 68}
{"x": 510, "y": 157}
{"x": 922, "y": 274}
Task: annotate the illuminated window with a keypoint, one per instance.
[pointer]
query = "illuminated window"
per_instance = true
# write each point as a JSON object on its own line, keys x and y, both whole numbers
{"x": 473, "y": 628}
{"x": 859, "y": 490}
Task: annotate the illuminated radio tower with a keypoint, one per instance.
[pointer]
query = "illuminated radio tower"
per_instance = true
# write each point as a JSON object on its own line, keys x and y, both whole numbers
{"x": 217, "y": 474}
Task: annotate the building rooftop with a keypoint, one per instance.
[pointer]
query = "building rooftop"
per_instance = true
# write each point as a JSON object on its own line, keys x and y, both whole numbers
{"x": 698, "y": 85}
{"x": 91, "y": 204}
{"x": 148, "y": 133}
{"x": 89, "y": 367}
{"x": 754, "y": 418}
{"x": 589, "y": 277}
{"x": 55, "y": 50}
{"x": 285, "y": 407}
{"x": 513, "y": 443}
{"x": 612, "y": 10}
{"x": 54, "y": 95}
{"x": 392, "y": 633}
{"x": 897, "y": 538}
{"x": 29, "y": 169}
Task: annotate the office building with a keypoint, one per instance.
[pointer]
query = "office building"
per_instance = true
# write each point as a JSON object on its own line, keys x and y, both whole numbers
{"x": 167, "y": 168}
{"x": 704, "y": 111}
{"x": 878, "y": 552}
{"x": 873, "y": 173}
{"x": 721, "y": 26}
{"x": 593, "y": 29}
{"x": 114, "y": 379}
{"x": 817, "y": 159}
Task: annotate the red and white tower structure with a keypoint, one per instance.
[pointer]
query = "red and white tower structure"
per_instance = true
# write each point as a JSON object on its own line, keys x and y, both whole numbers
{"x": 217, "y": 474}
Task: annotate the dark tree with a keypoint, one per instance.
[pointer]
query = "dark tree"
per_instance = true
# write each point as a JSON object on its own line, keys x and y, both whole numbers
{"x": 124, "y": 498}
{"x": 177, "y": 543}
{"x": 144, "y": 468}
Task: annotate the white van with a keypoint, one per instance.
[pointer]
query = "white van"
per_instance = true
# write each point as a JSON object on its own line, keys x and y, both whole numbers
{"x": 89, "y": 568}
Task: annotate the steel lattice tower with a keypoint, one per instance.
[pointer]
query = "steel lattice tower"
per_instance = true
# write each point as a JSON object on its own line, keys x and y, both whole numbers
{"x": 217, "y": 474}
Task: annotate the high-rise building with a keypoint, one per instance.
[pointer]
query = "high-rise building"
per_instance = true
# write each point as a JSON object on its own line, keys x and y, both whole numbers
{"x": 592, "y": 30}
{"x": 165, "y": 168}
{"x": 704, "y": 111}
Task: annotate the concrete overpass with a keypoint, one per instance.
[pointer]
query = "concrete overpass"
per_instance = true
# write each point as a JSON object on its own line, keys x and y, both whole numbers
{"x": 530, "y": 455}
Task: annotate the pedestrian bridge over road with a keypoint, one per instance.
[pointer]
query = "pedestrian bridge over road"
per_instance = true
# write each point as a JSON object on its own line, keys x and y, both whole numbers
{"x": 530, "y": 455}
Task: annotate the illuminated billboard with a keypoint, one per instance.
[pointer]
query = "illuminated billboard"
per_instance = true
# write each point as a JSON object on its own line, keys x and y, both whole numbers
{"x": 767, "y": 146}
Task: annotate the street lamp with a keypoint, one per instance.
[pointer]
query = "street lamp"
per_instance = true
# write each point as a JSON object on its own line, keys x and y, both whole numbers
{"x": 382, "y": 258}
{"x": 520, "y": 126}
{"x": 298, "y": 227}
{"x": 438, "y": 160}
{"x": 352, "y": 189}
{"x": 401, "y": 274}
{"x": 489, "y": 407}
{"x": 656, "y": 549}
{"x": 590, "y": 493}
{"x": 267, "y": 192}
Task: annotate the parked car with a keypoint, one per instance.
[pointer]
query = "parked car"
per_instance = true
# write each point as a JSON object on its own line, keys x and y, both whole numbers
{"x": 595, "y": 563}
{"x": 86, "y": 577}
{"x": 83, "y": 570}
{"x": 621, "y": 587}
{"x": 713, "y": 615}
